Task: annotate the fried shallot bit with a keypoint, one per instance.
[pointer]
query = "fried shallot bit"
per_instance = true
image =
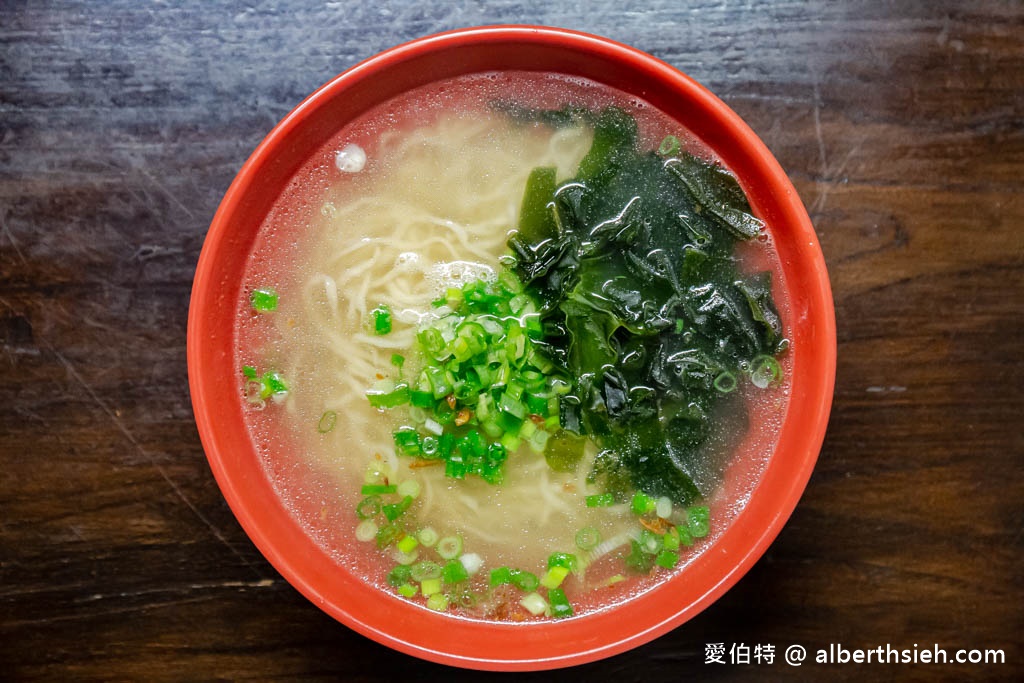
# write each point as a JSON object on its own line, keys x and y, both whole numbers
{"x": 462, "y": 417}
{"x": 537, "y": 419}
{"x": 657, "y": 525}
{"x": 420, "y": 462}
{"x": 450, "y": 398}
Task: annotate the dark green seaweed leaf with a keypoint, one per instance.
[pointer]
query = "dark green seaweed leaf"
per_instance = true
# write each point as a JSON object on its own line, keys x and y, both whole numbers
{"x": 631, "y": 261}
{"x": 536, "y": 219}
{"x": 718, "y": 192}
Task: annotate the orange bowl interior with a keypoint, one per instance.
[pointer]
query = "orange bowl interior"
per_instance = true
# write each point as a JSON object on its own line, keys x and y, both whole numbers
{"x": 213, "y": 376}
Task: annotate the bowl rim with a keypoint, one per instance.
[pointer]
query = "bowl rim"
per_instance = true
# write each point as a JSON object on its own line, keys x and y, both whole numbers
{"x": 312, "y": 581}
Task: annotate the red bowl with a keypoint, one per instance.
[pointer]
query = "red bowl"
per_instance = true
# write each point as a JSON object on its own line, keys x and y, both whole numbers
{"x": 213, "y": 373}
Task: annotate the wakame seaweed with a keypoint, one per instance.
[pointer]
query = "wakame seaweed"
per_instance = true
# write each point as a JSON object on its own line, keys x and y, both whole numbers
{"x": 632, "y": 264}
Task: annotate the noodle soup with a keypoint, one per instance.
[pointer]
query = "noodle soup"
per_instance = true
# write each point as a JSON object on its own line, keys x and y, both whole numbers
{"x": 388, "y": 233}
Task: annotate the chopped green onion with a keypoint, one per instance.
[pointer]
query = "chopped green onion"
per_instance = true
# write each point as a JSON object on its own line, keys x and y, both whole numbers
{"x": 472, "y": 562}
{"x": 764, "y": 371}
{"x": 327, "y": 422}
{"x": 368, "y": 507}
{"x": 554, "y": 577}
{"x": 670, "y": 541}
{"x": 273, "y": 385}
{"x": 698, "y": 519}
{"x": 396, "y": 510}
{"x": 387, "y": 535}
{"x": 638, "y": 560}
{"x": 249, "y": 371}
{"x": 425, "y": 570}
{"x": 429, "y": 446}
{"x": 408, "y": 441}
{"x": 404, "y": 558}
{"x": 560, "y": 605}
{"x": 667, "y": 559}
{"x": 483, "y": 369}
{"x": 725, "y": 382}
{"x": 669, "y": 146}
{"x": 263, "y": 300}
{"x": 600, "y": 500}
{"x": 366, "y": 530}
{"x": 410, "y": 488}
{"x": 408, "y": 544}
{"x": 386, "y": 394}
{"x": 398, "y": 360}
{"x": 378, "y": 489}
{"x": 449, "y": 547}
{"x": 534, "y": 603}
{"x": 407, "y": 590}
{"x": 431, "y": 586}
{"x": 524, "y": 580}
{"x": 454, "y": 572}
{"x": 500, "y": 576}
{"x": 663, "y": 507}
{"x": 642, "y": 504}
{"x": 381, "y": 319}
{"x": 650, "y": 542}
{"x": 399, "y": 575}
{"x": 421, "y": 399}
{"x": 438, "y": 602}
{"x": 588, "y": 538}
{"x": 427, "y": 536}
{"x": 567, "y": 560}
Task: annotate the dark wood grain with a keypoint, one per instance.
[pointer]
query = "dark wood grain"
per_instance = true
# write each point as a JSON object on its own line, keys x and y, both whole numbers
{"x": 121, "y": 125}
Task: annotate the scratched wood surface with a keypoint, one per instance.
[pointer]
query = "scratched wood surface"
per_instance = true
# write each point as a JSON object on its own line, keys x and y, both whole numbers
{"x": 122, "y": 124}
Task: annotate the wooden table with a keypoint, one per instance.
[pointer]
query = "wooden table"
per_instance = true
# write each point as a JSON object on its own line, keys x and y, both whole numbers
{"x": 121, "y": 125}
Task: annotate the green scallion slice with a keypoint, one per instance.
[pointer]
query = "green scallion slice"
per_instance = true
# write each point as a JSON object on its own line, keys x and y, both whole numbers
{"x": 327, "y": 422}
{"x": 408, "y": 544}
{"x": 449, "y": 547}
{"x": 399, "y": 575}
{"x": 698, "y": 518}
{"x": 378, "y": 489}
{"x": 454, "y": 572}
{"x": 560, "y": 605}
{"x": 725, "y": 382}
{"x": 524, "y": 580}
{"x": 380, "y": 319}
{"x": 667, "y": 559}
{"x": 427, "y": 536}
{"x": 366, "y": 530}
{"x": 600, "y": 500}
{"x": 368, "y": 507}
{"x": 588, "y": 538}
{"x": 438, "y": 602}
{"x": 395, "y": 510}
{"x": 764, "y": 371}
{"x": 554, "y": 577}
{"x": 669, "y": 146}
{"x": 263, "y": 299}
{"x": 425, "y": 570}
{"x": 534, "y": 603}
{"x": 566, "y": 560}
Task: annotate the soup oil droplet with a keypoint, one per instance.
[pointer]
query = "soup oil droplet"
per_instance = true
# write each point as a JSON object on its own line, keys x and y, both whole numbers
{"x": 350, "y": 159}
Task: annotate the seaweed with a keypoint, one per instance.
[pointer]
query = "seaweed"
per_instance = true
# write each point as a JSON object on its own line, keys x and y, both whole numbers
{"x": 641, "y": 299}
